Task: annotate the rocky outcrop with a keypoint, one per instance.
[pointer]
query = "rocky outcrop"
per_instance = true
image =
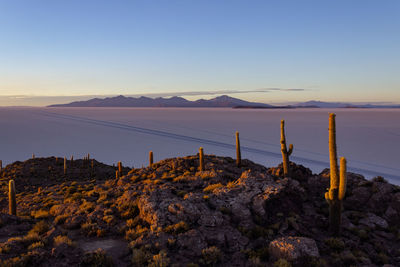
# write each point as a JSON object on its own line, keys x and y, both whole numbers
{"x": 222, "y": 216}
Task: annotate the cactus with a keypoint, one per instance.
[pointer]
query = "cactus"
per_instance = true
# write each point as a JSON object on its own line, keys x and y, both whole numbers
{"x": 151, "y": 158}
{"x": 201, "y": 159}
{"x": 285, "y": 152}
{"x": 238, "y": 154}
{"x": 65, "y": 165}
{"x": 1, "y": 165}
{"x": 117, "y": 174}
{"x": 338, "y": 181}
{"x": 92, "y": 169}
{"x": 33, "y": 155}
{"x": 72, "y": 161}
{"x": 12, "y": 203}
{"x": 119, "y": 167}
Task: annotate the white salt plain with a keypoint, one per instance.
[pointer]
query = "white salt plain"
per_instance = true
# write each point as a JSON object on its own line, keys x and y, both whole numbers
{"x": 368, "y": 138}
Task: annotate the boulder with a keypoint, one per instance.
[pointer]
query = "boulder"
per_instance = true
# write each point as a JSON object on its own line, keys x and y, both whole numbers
{"x": 293, "y": 248}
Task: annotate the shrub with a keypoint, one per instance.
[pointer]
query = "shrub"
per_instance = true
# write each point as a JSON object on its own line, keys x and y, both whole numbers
{"x": 282, "y": 263}
{"x": 35, "y": 245}
{"x": 40, "y": 227}
{"x": 212, "y": 187}
{"x": 40, "y": 214}
{"x": 159, "y": 260}
{"x": 177, "y": 228}
{"x": 140, "y": 257}
{"x": 4, "y": 249}
{"x": 90, "y": 229}
{"x": 335, "y": 243}
{"x": 97, "y": 258}
{"x": 211, "y": 255}
{"x": 60, "y": 219}
{"x": 109, "y": 219}
{"x": 62, "y": 239}
{"x": 132, "y": 234}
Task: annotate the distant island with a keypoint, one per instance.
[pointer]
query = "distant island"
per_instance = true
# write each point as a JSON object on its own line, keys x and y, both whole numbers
{"x": 223, "y": 101}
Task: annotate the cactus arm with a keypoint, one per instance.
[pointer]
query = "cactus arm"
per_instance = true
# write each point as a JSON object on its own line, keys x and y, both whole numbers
{"x": 343, "y": 179}
{"x": 290, "y": 150}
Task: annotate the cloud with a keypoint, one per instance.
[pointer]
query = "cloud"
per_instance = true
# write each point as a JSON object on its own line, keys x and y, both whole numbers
{"x": 217, "y": 92}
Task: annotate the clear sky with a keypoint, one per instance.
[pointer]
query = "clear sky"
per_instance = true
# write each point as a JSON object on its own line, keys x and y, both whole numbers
{"x": 334, "y": 50}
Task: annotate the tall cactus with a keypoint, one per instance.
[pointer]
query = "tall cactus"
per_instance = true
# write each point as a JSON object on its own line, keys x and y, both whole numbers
{"x": 1, "y": 165}
{"x": 65, "y": 165}
{"x": 238, "y": 154}
{"x": 201, "y": 159}
{"x": 151, "y": 158}
{"x": 12, "y": 203}
{"x": 338, "y": 181}
{"x": 285, "y": 152}
{"x": 117, "y": 174}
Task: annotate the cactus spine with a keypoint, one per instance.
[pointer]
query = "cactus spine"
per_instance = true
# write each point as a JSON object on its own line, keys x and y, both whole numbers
{"x": 338, "y": 181}
{"x": 120, "y": 167}
{"x": 285, "y": 152}
{"x": 12, "y": 203}
{"x": 201, "y": 159}
{"x": 238, "y": 154}
{"x": 151, "y": 158}
{"x": 65, "y": 165}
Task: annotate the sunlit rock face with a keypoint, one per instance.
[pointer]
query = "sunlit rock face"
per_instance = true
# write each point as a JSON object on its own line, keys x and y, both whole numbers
{"x": 174, "y": 213}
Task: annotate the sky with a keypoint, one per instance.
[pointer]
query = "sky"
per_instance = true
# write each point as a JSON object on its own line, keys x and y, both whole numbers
{"x": 57, "y": 51}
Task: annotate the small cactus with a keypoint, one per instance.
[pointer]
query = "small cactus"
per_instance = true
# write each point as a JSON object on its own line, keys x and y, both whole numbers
{"x": 1, "y": 165}
{"x": 92, "y": 169}
{"x": 120, "y": 167}
{"x": 72, "y": 161}
{"x": 338, "y": 181}
{"x": 201, "y": 159}
{"x": 117, "y": 176}
{"x": 12, "y": 203}
{"x": 151, "y": 158}
{"x": 65, "y": 165}
{"x": 238, "y": 154}
{"x": 285, "y": 152}
{"x": 33, "y": 155}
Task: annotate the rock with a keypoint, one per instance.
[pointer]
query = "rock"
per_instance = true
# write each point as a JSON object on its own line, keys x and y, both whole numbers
{"x": 293, "y": 248}
{"x": 371, "y": 221}
{"x": 358, "y": 198}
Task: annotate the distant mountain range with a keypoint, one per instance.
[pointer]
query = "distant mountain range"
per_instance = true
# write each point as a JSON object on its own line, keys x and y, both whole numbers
{"x": 223, "y": 101}
{"x": 122, "y": 101}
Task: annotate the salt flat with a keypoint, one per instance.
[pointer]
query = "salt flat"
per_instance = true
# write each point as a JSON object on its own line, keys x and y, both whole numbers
{"x": 368, "y": 138}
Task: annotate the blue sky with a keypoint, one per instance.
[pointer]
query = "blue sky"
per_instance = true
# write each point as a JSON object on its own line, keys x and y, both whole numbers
{"x": 334, "y": 50}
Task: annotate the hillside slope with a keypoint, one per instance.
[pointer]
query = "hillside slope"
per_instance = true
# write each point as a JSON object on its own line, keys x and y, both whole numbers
{"x": 170, "y": 214}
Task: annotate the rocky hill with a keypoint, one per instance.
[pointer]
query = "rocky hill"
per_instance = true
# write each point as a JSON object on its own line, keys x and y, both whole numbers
{"x": 170, "y": 214}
